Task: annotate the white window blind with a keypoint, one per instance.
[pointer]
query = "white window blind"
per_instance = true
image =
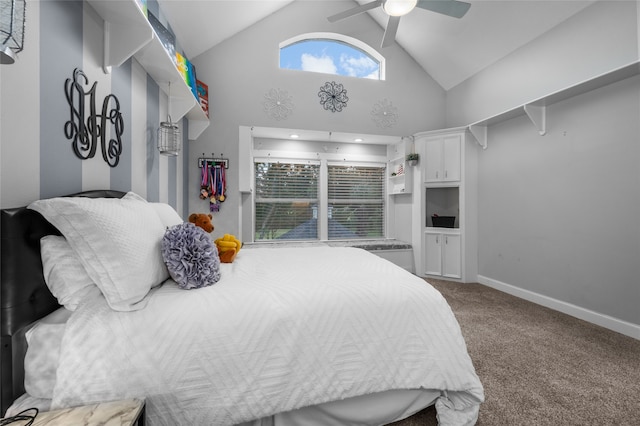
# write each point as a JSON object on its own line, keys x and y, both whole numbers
{"x": 286, "y": 202}
{"x": 356, "y": 201}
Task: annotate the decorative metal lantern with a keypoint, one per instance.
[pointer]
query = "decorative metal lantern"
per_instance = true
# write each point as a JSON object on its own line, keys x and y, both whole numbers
{"x": 169, "y": 138}
{"x": 12, "y": 14}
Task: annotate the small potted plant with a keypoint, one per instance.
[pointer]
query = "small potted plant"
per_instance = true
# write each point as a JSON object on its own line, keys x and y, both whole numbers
{"x": 413, "y": 158}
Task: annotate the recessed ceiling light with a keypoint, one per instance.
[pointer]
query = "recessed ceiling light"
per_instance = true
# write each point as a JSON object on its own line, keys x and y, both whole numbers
{"x": 358, "y": 140}
{"x": 294, "y": 136}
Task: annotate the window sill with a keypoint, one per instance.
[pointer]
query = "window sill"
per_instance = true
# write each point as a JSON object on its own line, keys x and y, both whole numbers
{"x": 369, "y": 245}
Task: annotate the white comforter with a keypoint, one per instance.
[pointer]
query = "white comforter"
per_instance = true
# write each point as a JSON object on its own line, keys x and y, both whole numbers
{"x": 283, "y": 328}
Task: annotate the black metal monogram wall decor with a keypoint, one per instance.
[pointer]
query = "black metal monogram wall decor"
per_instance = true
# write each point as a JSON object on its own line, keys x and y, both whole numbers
{"x": 85, "y": 126}
{"x": 333, "y": 96}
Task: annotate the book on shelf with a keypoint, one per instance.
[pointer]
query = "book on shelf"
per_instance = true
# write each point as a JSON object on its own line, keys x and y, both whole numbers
{"x": 188, "y": 72}
{"x": 203, "y": 96}
{"x": 183, "y": 68}
{"x": 165, "y": 36}
{"x": 192, "y": 79}
{"x": 142, "y": 4}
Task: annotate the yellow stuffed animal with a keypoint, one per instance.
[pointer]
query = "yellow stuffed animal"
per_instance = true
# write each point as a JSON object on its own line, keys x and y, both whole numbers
{"x": 228, "y": 247}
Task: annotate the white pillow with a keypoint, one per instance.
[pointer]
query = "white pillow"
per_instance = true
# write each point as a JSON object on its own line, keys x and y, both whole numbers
{"x": 168, "y": 216}
{"x": 64, "y": 274}
{"x": 117, "y": 240}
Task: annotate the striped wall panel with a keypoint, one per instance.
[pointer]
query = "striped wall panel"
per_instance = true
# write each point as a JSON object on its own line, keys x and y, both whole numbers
{"x": 71, "y": 37}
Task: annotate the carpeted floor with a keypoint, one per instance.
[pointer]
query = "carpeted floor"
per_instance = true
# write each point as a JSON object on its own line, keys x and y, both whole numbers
{"x": 541, "y": 367}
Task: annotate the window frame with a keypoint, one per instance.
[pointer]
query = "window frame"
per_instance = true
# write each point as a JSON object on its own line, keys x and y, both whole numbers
{"x": 343, "y": 201}
{"x": 339, "y": 38}
{"x": 323, "y": 195}
{"x": 257, "y": 200}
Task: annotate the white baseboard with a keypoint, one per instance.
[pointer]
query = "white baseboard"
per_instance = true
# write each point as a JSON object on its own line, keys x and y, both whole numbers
{"x": 606, "y": 321}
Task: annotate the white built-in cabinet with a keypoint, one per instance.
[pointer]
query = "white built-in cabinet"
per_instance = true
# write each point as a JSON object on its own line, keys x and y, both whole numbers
{"x": 442, "y": 158}
{"x": 443, "y": 254}
{"x": 127, "y": 33}
{"x": 447, "y": 188}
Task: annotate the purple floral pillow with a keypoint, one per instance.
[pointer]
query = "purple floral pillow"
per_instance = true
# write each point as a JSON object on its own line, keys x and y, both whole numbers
{"x": 191, "y": 257}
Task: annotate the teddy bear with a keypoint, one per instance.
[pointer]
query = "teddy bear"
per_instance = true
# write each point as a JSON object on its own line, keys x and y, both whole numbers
{"x": 202, "y": 220}
{"x": 228, "y": 247}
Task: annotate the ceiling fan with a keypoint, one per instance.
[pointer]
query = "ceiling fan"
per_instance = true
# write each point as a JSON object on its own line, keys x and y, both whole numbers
{"x": 398, "y": 8}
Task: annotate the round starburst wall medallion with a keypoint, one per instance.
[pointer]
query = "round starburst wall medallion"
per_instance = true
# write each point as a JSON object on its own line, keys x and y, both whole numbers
{"x": 333, "y": 96}
{"x": 278, "y": 104}
{"x": 384, "y": 114}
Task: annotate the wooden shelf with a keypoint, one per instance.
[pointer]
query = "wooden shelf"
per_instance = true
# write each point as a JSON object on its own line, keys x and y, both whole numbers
{"x": 128, "y": 33}
{"x": 536, "y": 109}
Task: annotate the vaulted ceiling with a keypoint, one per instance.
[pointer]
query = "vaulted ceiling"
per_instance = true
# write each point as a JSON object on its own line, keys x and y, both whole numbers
{"x": 450, "y": 50}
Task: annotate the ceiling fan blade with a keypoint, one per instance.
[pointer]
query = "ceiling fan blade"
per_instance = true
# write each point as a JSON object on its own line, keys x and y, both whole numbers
{"x": 354, "y": 11}
{"x": 453, "y": 8}
{"x": 390, "y": 32}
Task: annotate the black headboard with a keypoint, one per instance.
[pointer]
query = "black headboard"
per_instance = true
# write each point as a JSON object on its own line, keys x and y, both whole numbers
{"x": 24, "y": 296}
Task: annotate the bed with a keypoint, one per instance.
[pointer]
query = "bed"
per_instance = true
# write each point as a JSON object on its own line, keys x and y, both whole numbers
{"x": 286, "y": 336}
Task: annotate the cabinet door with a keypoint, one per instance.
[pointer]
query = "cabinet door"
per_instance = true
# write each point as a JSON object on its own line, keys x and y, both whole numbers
{"x": 433, "y": 254}
{"x": 451, "y": 158}
{"x": 451, "y": 249}
{"x": 433, "y": 164}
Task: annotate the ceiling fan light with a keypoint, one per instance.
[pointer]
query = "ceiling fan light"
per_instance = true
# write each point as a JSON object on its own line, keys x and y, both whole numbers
{"x": 398, "y": 7}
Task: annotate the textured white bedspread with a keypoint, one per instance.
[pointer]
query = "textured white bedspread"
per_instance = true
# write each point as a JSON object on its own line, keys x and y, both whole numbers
{"x": 282, "y": 329}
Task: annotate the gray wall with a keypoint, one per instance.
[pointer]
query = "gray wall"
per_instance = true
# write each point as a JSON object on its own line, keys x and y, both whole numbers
{"x": 242, "y": 69}
{"x": 600, "y": 38}
{"x": 558, "y": 214}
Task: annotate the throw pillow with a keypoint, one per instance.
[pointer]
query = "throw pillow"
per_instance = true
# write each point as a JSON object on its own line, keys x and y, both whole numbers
{"x": 191, "y": 257}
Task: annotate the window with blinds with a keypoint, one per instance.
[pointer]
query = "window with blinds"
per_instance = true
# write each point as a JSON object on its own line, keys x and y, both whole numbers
{"x": 286, "y": 202}
{"x": 356, "y": 201}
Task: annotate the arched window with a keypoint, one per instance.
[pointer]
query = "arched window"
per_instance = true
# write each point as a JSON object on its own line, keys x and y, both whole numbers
{"x": 331, "y": 53}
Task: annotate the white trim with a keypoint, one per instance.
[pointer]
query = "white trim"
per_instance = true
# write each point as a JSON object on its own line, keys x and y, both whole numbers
{"x": 285, "y": 160}
{"x": 323, "y": 202}
{"x": 359, "y": 44}
{"x": 356, "y": 163}
{"x": 606, "y": 321}
{"x": 315, "y": 158}
{"x": 439, "y": 132}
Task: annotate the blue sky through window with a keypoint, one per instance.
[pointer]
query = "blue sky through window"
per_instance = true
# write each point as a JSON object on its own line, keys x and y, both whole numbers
{"x": 329, "y": 57}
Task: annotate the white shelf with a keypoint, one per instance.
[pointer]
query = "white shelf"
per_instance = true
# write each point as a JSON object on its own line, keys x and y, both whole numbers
{"x": 155, "y": 59}
{"x": 441, "y": 230}
{"x": 198, "y": 121}
{"x": 536, "y": 109}
{"x": 398, "y": 183}
{"x": 128, "y": 33}
{"x": 126, "y": 30}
